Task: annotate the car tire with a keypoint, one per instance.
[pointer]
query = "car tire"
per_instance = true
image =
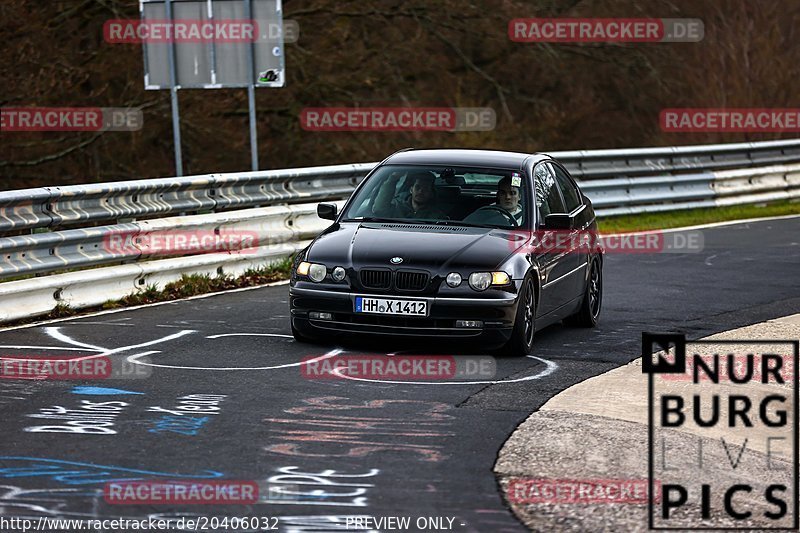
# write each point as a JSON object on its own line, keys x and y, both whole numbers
{"x": 299, "y": 337}
{"x": 589, "y": 312}
{"x": 521, "y": 342}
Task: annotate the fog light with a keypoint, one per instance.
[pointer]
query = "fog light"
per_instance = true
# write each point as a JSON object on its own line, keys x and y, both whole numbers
{"x": 469, "y": 323}
{"x": 454, "y": 279}
{"x": 314, "y": 315}
{"x": 338, "y": 274}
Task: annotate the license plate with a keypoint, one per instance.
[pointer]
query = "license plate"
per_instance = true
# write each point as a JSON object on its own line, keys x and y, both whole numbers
{"x": 388, "y": 306}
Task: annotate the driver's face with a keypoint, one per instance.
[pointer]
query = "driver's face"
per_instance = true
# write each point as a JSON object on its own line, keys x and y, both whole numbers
{"x": 508, "y": 197}
{"x": 422, "y": 192}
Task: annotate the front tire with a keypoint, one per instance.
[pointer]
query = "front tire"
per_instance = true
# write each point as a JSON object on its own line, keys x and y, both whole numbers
{"x": 300, "y": 337}
{"x": 589, "y": 312}
{"x": 521, "y": 341}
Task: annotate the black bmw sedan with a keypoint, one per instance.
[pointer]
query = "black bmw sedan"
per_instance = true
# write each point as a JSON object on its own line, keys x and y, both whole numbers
{"x": 485, "y": 246}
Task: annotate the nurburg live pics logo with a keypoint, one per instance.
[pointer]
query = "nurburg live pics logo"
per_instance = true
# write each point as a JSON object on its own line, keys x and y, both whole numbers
{"x": 722, "y": 439}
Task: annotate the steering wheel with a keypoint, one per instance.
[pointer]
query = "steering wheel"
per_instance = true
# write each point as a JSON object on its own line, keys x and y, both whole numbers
{"x": 503, "y": 211}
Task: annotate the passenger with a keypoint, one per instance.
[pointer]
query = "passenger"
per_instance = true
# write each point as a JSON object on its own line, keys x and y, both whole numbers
{"x": 421, "y": 203}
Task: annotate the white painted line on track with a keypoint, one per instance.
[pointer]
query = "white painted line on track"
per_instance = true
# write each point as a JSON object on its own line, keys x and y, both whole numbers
{"x": 152, "y": 342}
{"x": 103, "y": 352}
{"x": 109, "y": 323}
{"x": 551, "y": 367}
{"x": 56, "y": 333}
{"x": 333, "y": 353}
{"x": 249, "y": 335}
{"x": 21, "y": 347}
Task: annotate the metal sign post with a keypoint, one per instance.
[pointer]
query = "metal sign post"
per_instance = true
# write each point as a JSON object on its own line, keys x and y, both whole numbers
{"x": 251, "y": 95}
{"x": 215, "y": 63}
{"x": 173, "y": 91}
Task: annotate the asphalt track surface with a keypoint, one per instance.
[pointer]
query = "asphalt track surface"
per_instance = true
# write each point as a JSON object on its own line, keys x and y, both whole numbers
{"x": 366, "y": 448}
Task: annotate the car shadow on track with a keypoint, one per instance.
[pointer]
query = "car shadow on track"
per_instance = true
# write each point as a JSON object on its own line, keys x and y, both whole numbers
{"x": 371, "y": 344}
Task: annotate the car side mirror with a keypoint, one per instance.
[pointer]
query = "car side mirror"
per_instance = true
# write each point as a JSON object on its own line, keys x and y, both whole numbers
{"x": 327, "y": 211}
{"x": 559, "y": 221}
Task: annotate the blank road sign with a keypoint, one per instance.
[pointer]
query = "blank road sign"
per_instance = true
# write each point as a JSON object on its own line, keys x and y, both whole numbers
{"x": 218, "y": 57}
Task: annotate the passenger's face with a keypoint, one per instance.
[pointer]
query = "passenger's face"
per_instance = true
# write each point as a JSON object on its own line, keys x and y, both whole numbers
{"x": 508, "y": 197}
{"x": 422, "y": 192}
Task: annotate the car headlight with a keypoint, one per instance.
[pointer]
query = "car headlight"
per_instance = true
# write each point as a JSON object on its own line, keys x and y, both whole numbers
{"x": 338, "y": 274}
{"x": 315, "y": 271}
{"x": 480, "y": 281}
{"x": 453, "y": 279}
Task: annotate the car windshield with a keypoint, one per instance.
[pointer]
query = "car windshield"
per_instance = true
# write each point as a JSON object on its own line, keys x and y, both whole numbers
{"x": 461, "y": 196}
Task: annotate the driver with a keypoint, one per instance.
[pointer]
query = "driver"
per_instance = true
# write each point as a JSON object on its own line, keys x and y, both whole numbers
{"x": 421, "y": 203}
{"x": 508, "y": 198}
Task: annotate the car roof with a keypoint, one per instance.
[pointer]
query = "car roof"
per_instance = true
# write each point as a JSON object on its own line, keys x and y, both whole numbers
{"x": 463, "y": 157}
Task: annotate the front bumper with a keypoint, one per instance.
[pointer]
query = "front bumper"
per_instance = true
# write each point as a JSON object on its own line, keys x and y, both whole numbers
{"x": 496, "y": 313}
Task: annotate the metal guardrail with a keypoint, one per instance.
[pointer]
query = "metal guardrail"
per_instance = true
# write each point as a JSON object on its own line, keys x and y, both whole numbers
{"x": 69, "y": 206}
{"x": 631, "y": 162}
{"x": 620, "y": 196}
{"x": 131, "y": 242}
{"x": 278, "y": 232}
{"x": 55, "y": 207}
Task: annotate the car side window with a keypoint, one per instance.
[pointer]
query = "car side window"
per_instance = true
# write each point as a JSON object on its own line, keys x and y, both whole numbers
{"x": 548, "y": 199}
{"x": 572, "y": 198}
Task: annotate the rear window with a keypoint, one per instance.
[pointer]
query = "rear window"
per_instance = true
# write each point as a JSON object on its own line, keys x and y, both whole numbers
{"x": 471, "y": 178}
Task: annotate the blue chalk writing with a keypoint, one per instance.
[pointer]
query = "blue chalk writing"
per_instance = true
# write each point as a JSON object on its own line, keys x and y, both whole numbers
{"x": 100, "y": 391}
{"x": 182, "y": 425}
{"x": 72, "y": 473}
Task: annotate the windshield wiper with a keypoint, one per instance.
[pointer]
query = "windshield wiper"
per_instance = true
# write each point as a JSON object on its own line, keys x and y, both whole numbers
{"x": 371, "y": 219}
{"x": 424, "y": 222}
{"x": 466, "y": 224}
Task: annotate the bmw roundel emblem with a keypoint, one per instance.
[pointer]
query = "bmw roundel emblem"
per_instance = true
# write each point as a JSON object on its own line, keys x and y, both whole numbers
{"x": 396, "y": 260}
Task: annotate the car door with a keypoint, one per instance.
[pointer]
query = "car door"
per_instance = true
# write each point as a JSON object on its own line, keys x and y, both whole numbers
{"x": 554, "y": 259}
{"x": 580, "y": 252}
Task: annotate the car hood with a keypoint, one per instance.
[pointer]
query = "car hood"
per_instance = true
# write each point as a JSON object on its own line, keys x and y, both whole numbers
{"x": 434, "y": 248}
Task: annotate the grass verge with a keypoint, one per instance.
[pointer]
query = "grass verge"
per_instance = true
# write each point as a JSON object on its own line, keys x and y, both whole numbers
{"x": 694, "y": 217}
{"x": 188, "y": 285}
{"x": 194, "y": 284}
